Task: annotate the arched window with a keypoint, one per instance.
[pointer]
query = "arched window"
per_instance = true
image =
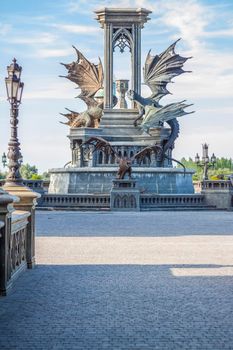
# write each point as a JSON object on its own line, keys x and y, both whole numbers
{"x": 132, "y": 200}
{"x": 100, "y": 160}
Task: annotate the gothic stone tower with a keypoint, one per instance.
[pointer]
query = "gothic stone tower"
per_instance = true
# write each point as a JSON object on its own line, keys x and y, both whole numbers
{"x": 122, "y": 29}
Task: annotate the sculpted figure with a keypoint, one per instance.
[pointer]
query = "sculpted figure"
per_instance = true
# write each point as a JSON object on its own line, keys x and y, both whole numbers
{"x": 125, "y": 163}
{"x": 89, "y": 78}
{"x": 158, "y": 72}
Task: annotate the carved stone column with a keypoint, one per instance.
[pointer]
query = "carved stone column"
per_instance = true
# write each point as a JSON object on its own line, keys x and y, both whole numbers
{"x": 108, "y": 66}
{"x": 136, "y": 60}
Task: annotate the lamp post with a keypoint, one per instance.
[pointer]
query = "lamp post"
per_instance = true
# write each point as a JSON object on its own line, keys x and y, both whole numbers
{"x": 205, "y": 162}
{"x": 14, "y": 89}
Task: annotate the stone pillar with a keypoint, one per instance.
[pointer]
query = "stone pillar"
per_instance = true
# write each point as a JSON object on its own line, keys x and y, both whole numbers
{"x": 136, "y": 60}
{"x": 28, "y": 201}
{"x": 108, "y": 66}
{"x": 6, "y": 209}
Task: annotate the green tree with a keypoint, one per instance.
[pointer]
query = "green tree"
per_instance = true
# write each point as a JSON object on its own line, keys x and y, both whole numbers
{"x": 45, "y": 176}
{"x": 36, "y": 177}
{"x": 27, "y": 171}
{"x": 223, "y": 166}
{"x": 2, "y": 175}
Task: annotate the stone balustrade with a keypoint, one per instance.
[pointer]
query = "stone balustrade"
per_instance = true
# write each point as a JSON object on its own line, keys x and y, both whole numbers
{"x": 40, "y": 186}
{"x": 218, "y": 193}
{"x": 14, "y": 240}
{"x": 17, "y": 251}
{"x": 216, "y": 185}
{"x": 101, "y": 201}
{"x": 179, "y": 200}
{"x": 17, "y": 233}
{"x": 77, "y": 201}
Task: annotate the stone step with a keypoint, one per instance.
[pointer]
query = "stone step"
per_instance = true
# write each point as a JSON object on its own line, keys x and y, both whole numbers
{"x": 180, "y": 208}
{"x": 106, "y": 208}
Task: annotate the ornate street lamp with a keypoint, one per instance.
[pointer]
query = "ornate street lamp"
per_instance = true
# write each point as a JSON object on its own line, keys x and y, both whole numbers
{"x": 14, "y": 89}
{"x": 205, "y": 162}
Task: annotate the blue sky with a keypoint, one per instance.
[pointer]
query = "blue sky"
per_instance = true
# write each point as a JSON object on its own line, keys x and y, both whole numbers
{"x": 40, "y": 34}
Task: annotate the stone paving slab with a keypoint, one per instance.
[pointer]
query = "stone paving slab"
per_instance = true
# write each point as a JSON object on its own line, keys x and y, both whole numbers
{"x": 216, "y": 250}
{"x": 169, "y": 223}
{"x": 115, "y": 292}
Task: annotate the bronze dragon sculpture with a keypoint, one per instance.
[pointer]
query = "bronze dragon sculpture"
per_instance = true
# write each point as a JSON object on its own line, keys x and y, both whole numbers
{"x": 89, "y": 78}
{"x": 125, "y": 163}
{"x": 158, "y": 72}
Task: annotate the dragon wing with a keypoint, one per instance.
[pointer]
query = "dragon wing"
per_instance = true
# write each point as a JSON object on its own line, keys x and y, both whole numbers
{"x": 158, "y": 150}
{"x": 146, "y": 153}
{"x": 88, "y": 76}
{"x": 155, "y": 115}
{"x": 101, "y": 144}
{"x": 160, "y": 69}
{"x": 71, "y": 118}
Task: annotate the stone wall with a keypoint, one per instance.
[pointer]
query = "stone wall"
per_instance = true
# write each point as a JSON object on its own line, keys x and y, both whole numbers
{"x": 99, "y": 180}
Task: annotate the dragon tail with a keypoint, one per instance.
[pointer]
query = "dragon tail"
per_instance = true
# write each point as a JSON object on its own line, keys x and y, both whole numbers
{"x": 175, "y": 129}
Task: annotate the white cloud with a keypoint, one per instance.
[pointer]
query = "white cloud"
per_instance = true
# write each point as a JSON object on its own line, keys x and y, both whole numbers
{"x": 5, "y": 29}
{"x": 51, "y": 92}
{"x": 52, "y": 88}
{"x": 51, "y": 52}
{"x": 81, "y": 29}
{"x": 81, "y": 6}
{"x": 188, "y": 21}
{"x": 42, "y": 38}
{"x": 212, "y": 76}
{"x": 219, "y": 33}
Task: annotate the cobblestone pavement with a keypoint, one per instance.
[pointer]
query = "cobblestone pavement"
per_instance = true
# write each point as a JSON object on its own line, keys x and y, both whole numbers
{"x": 136, "y": 281}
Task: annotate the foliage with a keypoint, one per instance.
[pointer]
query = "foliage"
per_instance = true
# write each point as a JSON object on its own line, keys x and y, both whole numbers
{"x": 27, "y": 171}
{"x": 2, "y": 175}
{"x": 45, "y": 176}
{"x": 36, "y": 177}
{"x": 30, "y": 172}
{"x": 222, "y": 168}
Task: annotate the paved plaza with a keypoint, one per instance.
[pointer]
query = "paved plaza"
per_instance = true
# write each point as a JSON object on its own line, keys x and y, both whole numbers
{"x": 125, "y": 281}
